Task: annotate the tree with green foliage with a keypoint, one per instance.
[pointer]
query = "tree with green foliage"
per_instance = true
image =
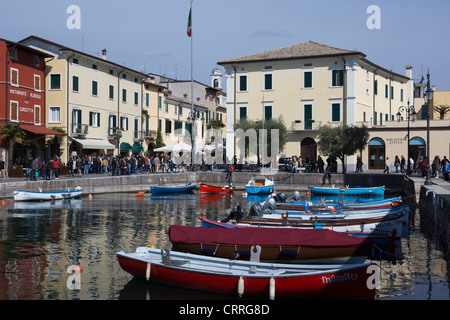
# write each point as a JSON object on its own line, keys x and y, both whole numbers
{"x": 342, "y": 141}
{"x": 159, "y": 139}
{"x": 268, "y": 125}
{"x": 13, "y": 134}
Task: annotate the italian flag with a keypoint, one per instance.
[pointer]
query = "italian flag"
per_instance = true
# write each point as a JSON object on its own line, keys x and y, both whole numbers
{"x": 189, "y": 24}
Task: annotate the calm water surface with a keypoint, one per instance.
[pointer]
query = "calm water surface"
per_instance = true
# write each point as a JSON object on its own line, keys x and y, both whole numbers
{"x": 40, "y": 241}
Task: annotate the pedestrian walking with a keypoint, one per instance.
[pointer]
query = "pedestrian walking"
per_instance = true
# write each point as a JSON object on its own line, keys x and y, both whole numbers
{"x": 386, "y": 165}
{"x": 34, "y": 168}
{"x": 446, "y": 170}
{"x": 2, "y": 168}
{"x": 327, "y": 175}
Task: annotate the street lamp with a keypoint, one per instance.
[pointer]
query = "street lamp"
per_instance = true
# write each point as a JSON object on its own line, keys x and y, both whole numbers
{"x": 410, "y": 116}
{"x": 192, "y": 117}
{"x": 429, "y": 96}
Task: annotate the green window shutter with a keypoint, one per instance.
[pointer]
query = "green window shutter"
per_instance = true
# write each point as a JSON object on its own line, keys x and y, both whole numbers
{"x": 136, "y": 98}
{"x": 55, "y": 81}
{"x": 75, "y": 83}
{"x": 268, "y": 112}
{"x": 147, "y": 99}
{"x": 337, "y": 78}
{"x": 243, "y": 113}
{"x": 375, "y": 87}
{"x": 91, "y": 114}
{"x": 98, "y": 119}
{"x": 268, "y": 81}
{"x": 386, "y": 91}
{"x": 111, "y": 92}
{"x": 401, "y": 95}
{"x": 124, "y": 95}
{"x": 243, "y": 83}
{"x": 159, "y": 102}
{"x": 308, "y": 116}
{"x": 94, "y": 88}
{"x": 307, "y": 79}
{"x": 335, "y": 112}
{"x": 392, "y": 92}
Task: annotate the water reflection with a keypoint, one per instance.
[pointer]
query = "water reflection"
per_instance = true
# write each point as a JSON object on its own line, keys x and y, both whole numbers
{"x": 39, "y": 241}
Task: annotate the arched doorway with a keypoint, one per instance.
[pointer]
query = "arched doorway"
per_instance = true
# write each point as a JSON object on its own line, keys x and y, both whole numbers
{"x": 377, "y": 152}
{"x": 308, "y": 149}
{"x": 417, "y": 148}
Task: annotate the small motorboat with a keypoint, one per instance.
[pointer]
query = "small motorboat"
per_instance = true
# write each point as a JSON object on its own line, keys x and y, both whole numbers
{"x": 207, "y": 188}
{"x": 288, "y": 245}
{"x": 251, "y": 278}
{"x": 360, "y": 191}
{"x": 22, "y": 195}
{"x": 173, "y": 189}
{"x": 260, "y": 185}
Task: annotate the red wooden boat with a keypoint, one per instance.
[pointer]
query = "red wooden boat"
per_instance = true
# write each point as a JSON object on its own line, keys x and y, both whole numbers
{"x": 206, "y": 188}
{"x": 293, "y": 245}
{"x": 250, "y": 278}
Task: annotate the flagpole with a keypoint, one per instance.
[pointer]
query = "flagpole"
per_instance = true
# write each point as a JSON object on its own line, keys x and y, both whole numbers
{"x": 192, "y": 96}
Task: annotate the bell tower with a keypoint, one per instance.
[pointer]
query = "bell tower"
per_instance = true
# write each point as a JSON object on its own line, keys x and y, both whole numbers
{"x": 216, "y": 78}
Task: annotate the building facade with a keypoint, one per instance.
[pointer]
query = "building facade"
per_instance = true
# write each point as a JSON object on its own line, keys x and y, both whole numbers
{"x": 310, "y": 85}
{"x": 22, "y": 101}
{"x": 96, "y": 101}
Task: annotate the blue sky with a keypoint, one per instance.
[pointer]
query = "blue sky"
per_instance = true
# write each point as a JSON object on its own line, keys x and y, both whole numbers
{"x": 150, "y": 35}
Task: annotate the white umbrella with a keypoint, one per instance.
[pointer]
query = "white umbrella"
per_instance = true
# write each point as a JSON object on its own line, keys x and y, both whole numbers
{"x": 177, "y": 147}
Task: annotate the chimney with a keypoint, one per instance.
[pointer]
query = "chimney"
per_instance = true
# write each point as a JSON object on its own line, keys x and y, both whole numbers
{"x": 104, "y": 54}
{"x": 409, "y": 71}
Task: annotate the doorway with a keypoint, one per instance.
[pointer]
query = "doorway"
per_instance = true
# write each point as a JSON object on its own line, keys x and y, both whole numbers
{"x": 377, "y": 153}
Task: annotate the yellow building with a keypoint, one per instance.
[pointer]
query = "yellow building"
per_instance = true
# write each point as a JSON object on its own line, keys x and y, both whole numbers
{"x": 97, "y": 102}
{"x": 310, "y": 85}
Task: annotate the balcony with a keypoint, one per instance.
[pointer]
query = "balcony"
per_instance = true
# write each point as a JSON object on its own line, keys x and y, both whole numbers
{"x": 114, "y": 133}
{"x": 79, "y": 130}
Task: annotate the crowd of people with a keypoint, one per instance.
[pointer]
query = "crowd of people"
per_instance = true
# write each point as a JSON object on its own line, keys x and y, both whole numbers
{"x": 137, "y": 164}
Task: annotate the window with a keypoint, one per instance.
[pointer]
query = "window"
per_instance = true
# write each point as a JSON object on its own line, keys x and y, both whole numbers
{"x": 337, "y": 78}
{"x": 54, "y": 115}
{"x": 123, "y": 123}
{"x": 14, "y": 77}
{"x": 375, "y": 87}
{"x": 267, "y": 112}
{"x": 401, "y": 95}
{"x": 94, "y": 118}
{"x": 55, "y": 82}
{"x": 124, "y": 95}
{"x": 178, "y": 127}
{"x": 243, "y": 83}
{"x": 243, "y": 113}
{"x": 268, "y": 81}
{"x": 136, "y": 128}
{"x": 94, "y": 66}
{"x": 124, "y": 76}
{"x": 37, "y": 82}
{"x": 147, "y": 99}
{"x": 386, "y": 91}
{"x": 75, "y": 84}
{"x": 37, "y": 61}
{"x": 112, "y": 124}
{"x": 76, "y": 121}
{"x": 94, "y": 88}
{"x": 392, "y": 92}
{"x": 14, "y": 53}
{"x": 37, "y": 114}
{"x": 111, "y": 92}
{"x": 160, "y": 103}
{"x": 168, "y": 126}
{"x": 307, "y": 79}
{"x": 136, "y": 98}
{"x": 307, "y": 111}
{"x": 335, "y": 112}
{"x": 111, "y": 72}
{"x": 14, "y": 112}
{"x": 75, "y": 61}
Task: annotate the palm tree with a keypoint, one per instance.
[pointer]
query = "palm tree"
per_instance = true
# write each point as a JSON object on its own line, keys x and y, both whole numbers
{"x": 442, "y": 109}
{"x": 13, "y": 134}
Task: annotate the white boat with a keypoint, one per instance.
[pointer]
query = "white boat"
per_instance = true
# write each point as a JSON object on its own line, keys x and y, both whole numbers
{"x": 22, "y": 195}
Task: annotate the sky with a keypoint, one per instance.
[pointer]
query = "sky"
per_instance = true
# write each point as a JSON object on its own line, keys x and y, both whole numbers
{"x": 150, "y": 35}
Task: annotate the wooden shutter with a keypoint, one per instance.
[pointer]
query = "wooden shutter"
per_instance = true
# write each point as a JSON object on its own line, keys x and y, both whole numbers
{"x": 14, "y": 111}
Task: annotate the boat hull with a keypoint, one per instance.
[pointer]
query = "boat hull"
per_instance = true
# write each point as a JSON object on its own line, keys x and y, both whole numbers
{"x": 260, "y": 190}
{"x": 205, "y": 188}
{"x": 288, "y": 246}
{"x": 236, "y": 278}
{"x": 174, "y": 189}
{"x": 22, "y": 195}
{"x": 373, "y": 191}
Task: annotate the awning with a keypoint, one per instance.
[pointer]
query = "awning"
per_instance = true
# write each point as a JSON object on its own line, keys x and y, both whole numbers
{"x": 40, "y": 130}
{"x": 95, "y": 144}
{"x": 137, "y": 148}
{"x": 125, "y": 147}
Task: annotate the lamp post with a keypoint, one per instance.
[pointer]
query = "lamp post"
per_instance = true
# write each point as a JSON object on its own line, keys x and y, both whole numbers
{"x": 410, "y": 116}
{"x": 429, "y": 96}
{"x": 192, "y": 117}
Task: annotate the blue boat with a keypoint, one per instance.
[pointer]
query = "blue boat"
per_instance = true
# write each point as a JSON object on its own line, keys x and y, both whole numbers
{"x": 260, "y": 185}
{"x": 172, "y": 189}
{"x": 356, "y": 191}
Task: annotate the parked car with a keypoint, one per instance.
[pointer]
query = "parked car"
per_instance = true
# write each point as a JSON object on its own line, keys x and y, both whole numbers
{"x": 284, "y": 164}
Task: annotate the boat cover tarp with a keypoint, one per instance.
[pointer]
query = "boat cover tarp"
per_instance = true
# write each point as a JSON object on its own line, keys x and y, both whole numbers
{"x": 262, "y": 236}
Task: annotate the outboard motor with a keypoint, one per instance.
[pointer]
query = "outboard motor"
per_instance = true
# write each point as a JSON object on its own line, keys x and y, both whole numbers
{"x": 235, "y": 214}
{"x": 295, "y": 196}
{"x": 269, "y": 204}
{"x": 255, "y": 211}
{"x": 281, "y": 197}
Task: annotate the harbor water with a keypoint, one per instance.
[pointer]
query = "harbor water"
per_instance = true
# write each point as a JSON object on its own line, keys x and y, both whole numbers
{"x": 42, "y": 242}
